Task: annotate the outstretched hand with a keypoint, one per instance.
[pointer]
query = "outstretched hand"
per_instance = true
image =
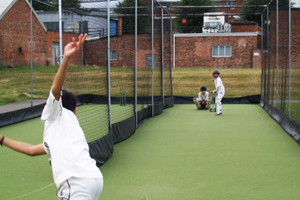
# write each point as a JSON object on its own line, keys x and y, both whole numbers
{"x": 74, "y": 46}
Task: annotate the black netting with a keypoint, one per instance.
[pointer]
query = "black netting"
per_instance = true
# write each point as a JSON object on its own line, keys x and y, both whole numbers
{"x": 280, "y": 72}
{"x": 144, "y": 60}
{"x": 120, "y": 78}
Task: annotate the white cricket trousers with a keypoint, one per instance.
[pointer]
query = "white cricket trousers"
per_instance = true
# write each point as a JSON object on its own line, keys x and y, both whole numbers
{"x": 80, "y": 189}
{"x": 219, "y": 101}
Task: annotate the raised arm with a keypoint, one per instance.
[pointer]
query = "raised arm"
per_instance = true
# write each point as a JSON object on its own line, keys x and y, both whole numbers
{"x": 69, "y": 51}
{"x": 21, "y": 147}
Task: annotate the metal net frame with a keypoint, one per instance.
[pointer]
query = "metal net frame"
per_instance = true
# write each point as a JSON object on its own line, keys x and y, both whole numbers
{"x": 116, "y": 92}
{"x": 281, "y": 64}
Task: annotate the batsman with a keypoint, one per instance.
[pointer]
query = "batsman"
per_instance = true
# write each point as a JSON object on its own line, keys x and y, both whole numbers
{"x": 220, "y": 91}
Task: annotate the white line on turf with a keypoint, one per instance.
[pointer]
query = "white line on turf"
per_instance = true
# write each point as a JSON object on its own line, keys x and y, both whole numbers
{"x": 35, "y": 191}
{"x": 187, "y": 113}
{"x": 170, "y": 112}
{"x": 176, "y": 113}
{"x": 246, "y": 112}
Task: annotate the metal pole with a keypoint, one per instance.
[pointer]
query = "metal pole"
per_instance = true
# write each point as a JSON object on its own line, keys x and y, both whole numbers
{"x": 108, "y": 63}
{"x": 262, "y": 58}
{"x": 162, "y": 57}
{"x": 268, "y": 57}
{"x": 233, "y": 6}
{"x": 135, "y": 65}
{"x": 31, "y": 53}
{"x": 277, "y": 53}
{"x": 152, "y": 43}
{"x": 60, "y": 32}
{"x": 82, "y": 57}
{"x": 171, "y": 39}
{"x": 290, "y": 56}
{"x": 2, "y": 49}
{"x": 174, "y": 51}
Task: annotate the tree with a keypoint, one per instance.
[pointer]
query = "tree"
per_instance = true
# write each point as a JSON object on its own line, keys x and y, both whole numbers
{"x": 247, "y": 13}
{"x": 65, "y": 4}
{"x": 192, "y": 21}
{"x": 128, "y": 22}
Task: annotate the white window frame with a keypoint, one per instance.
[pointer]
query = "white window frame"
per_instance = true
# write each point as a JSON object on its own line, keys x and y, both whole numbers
{"x": 111, "y": 55}
{"x": 218, "y": 56}
{"x": 218, "y": 4}
{"x": 230, "y": 3}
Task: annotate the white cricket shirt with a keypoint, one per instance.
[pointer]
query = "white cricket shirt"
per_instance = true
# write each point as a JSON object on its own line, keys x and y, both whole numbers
{"x": 65, "y": 143}
{"x": 203, "y": 97}
{"x": 219, "y": 85}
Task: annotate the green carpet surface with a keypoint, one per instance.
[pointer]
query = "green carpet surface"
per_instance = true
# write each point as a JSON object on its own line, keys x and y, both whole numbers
{"x": 181, "y": 154}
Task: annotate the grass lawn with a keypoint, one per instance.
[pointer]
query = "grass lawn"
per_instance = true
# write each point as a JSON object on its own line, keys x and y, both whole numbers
{"x": 238, "y": 82}
{"x": 15, "y": 82}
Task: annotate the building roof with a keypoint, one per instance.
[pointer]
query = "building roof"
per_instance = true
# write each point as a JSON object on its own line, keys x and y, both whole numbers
{"x": 6, "y": 5}
{"x": 112, "y": 4}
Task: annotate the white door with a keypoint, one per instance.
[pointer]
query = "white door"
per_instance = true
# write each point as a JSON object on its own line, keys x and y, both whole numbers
{"x": 55, "y": 54}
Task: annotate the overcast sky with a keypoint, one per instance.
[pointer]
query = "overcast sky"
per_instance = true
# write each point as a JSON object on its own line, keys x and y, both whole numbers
{"x": 114, "y": 3}
{"x": 297, "y": 3}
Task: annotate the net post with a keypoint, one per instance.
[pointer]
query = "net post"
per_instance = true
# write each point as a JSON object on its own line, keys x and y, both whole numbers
{"x": 135, "y": 64}
{"x": 171, "y": 42}
{"x": 162, "y": 56}
{"x": 268, "y": 57}
{"x": 108, "y": 64}
{"x": 82, "y": 57}
{"x": 152, "y": 44}
{"x": 290, "y": 55}
{"x": 60, "y": 31}
{"x": 31, "y": 53}
{"x": 262, "y": 57}
{"x": 277, "y": 53}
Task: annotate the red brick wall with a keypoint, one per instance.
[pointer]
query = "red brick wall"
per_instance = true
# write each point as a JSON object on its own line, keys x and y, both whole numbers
{"x": 197, "y": 51}
{"x": 15, "y": 34}
{"x": 283, "y": 36}
{"x": 95, "y": 51}
{"x": 190, "y": 52}
{"x": 244, "y": 28}
{"x": 53, "y": 37}
{"x": 228, "y": 10}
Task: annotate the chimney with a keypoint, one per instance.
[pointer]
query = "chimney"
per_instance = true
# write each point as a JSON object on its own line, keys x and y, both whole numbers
{"x": 119, "y": 27}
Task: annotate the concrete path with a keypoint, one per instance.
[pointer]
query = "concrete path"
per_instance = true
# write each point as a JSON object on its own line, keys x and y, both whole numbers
{"x": 20, "y": 105}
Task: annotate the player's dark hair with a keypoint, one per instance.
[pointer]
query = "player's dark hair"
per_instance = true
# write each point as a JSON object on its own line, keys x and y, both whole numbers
{"x": 69, "y": 100}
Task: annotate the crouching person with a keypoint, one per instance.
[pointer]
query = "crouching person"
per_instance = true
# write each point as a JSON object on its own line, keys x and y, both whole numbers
{"x": 203, "y": 99}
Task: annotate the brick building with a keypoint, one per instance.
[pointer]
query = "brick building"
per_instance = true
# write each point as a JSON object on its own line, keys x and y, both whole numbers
{"x": 283, "y": 38}
{"x": 190, "y": 50}
{"x": 122, "y": 48}
{"x": 219, "y": 50}
{"x": 229, "y": 3}
{"x": 15, "y": 37}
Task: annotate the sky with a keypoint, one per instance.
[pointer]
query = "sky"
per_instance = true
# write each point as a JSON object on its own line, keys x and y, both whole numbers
{"x": 297, "y": 3}
{"x": 115, "y": 2}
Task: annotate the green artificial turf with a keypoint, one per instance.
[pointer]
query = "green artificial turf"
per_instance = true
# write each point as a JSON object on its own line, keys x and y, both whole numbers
{"x": 181, "y": 154}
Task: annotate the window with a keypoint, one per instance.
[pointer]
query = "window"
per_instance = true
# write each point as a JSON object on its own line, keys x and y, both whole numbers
{"x": 221, "y": 51}
{"x": 113, "y": 55}
{"x": 218, "y": 4}
{"x": 52, "y": 26}
{"x": 230, "y": 3}
{"x": 149, "y": 61}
